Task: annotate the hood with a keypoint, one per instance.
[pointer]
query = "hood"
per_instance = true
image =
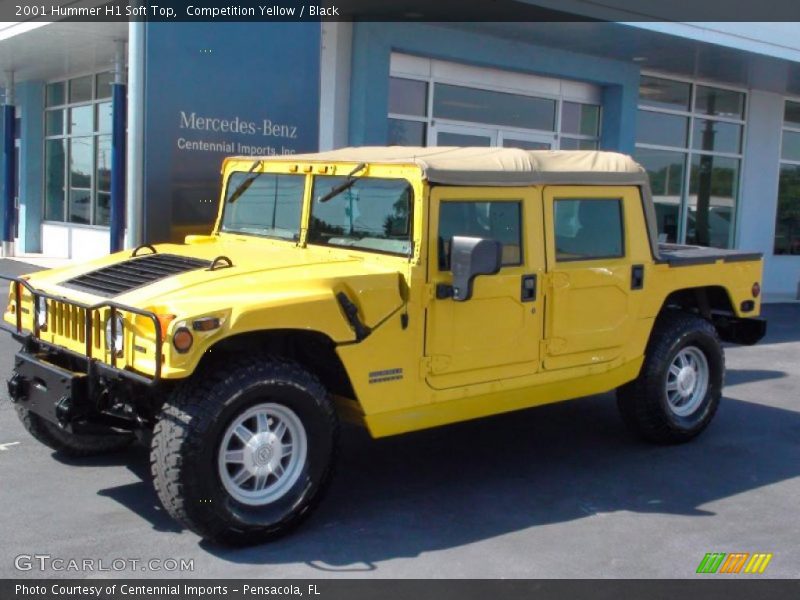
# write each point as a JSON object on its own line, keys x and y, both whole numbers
{"x": 209, "y": 271}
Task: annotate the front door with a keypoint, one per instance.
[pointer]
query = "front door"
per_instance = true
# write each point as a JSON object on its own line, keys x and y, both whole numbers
{"x": 591, "y": 309}
{"x": 496, "y": 333}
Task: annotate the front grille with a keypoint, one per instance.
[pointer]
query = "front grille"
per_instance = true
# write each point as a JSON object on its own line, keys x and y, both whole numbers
{"x": 69, "y": 321}
{"x": 134, "y": 273}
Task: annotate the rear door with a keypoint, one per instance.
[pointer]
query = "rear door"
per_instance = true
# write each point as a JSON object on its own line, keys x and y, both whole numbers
{"x": 496, "y": 333}
{"x": 591, "y": 304}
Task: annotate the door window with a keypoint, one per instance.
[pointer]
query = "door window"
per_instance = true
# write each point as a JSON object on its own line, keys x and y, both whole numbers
{"x": 588, "y": 228}
{"x": 493, "y": 220}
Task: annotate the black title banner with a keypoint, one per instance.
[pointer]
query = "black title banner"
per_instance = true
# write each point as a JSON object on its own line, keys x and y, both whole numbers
{"x": 399, "y": 10}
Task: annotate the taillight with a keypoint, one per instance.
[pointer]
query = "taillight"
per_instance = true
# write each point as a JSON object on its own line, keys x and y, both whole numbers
{"x": 756, "y": 290}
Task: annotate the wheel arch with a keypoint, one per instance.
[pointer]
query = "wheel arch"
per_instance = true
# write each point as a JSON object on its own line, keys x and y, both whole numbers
{"x": 702, "y": 300}
{"x": 313, "y": 350}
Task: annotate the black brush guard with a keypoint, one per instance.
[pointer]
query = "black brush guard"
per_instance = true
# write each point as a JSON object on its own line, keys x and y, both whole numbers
{"x": 94, "y": 366}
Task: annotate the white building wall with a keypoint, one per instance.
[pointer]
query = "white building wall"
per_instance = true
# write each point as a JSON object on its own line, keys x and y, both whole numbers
{"x": 759, "y": 195}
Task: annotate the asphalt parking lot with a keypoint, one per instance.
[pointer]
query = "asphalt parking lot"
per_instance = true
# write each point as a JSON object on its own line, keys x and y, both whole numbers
{"x": 559, "y": 491}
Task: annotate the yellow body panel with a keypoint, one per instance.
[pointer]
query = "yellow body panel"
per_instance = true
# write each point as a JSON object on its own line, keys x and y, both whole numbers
{"x": 427, "y": 361}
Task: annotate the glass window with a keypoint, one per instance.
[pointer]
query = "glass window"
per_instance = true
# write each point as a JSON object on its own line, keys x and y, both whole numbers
{"x": 582, "y": 119}
{"x": 661, "y": 129}
{"x": 102, "y": 214}
{"x": 54, "y": 94}
{"x": 497, "y": 220}
{"x": 408, "y": 97}
{"x": 80, "y": 89}
{"x": 791, "y": 114}
{"x": 588, "y": 228}
{"x": 664, "y": 93}
{"x": 498, "y": 108}
{"x": 787, "y": 223}
{"x": 510, "y": 142}
{"x": 447, "y": 138}
{"x": 406, "y": 133}
{"x": 577, "y": 144}
{"x": 54, "y": 122}
{"x": 790, "y": 148}
{"x": 79, "y": 206}
{"x": 81, "y": 120}
{"x": 81, "y": 152}
{"x": 55, "y": 167}
{"x": 104, "y": 117}
{"x": 717, "y": 136}
{"x": 666, "y": 171}
{"x": 713, "y": 185}
{"x": 265, "y": 204}
{"x": 104, "y": 81}
{"x": 722, "y": 103}
{"x": 370, "y": 214}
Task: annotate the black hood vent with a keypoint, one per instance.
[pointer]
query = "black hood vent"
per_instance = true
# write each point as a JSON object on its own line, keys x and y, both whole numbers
{"x": 134, "y": 273}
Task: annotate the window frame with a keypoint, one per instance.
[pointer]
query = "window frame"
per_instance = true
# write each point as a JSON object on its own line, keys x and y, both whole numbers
{"x": 623, "y": 240}
{"x": 66, "y": 136}
{"x": 782, "y": 162}
{"x": 429, "y": 122}
{"x": 689, "y": 151}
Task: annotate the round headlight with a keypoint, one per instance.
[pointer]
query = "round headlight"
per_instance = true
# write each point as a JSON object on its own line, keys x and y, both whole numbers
{"x": 116, "y": 344}
{"x": 41, "y": 313}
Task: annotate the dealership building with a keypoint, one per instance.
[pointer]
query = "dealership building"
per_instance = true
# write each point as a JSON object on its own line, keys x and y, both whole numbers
{"x": 711, "y": 110}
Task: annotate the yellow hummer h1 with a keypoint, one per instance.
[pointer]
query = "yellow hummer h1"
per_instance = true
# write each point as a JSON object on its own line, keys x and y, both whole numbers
{"x": 400, "y": 288}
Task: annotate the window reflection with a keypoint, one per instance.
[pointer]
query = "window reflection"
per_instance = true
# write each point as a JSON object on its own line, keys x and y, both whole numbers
{"x": 666, "y": 171}
{"x": 713, "y": 183}
{"x": 787, "y": 223}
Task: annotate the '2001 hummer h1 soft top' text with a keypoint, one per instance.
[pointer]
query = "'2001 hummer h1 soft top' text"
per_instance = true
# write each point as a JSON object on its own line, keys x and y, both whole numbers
{"x": 400, "y": 288}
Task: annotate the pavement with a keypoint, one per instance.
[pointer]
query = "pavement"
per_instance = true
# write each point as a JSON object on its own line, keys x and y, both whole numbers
{"x": 561, "y": 491}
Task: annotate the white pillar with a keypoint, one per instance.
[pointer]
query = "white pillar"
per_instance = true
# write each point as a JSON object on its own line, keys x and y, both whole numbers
{"x": 334, "y": 93}
{"x": 135, "y": 162}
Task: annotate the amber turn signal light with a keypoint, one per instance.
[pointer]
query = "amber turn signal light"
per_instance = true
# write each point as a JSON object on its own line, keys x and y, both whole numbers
{"x": 182, "y": 339}
{"x": 206, "y": 324}
{"x": 756, "y": 290}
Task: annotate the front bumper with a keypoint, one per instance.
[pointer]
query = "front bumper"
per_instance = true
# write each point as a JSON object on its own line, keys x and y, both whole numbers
{"x": 46, "y": 390}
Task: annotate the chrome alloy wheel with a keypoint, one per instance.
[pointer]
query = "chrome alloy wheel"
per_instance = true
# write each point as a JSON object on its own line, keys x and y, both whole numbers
{"x": 687, "y": 381}
{"x": 262, "y": 454}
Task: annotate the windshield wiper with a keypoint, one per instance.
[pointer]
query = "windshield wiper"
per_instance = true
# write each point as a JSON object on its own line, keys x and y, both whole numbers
{"x": 242, "y": 187}
{"x": 345, "y": 185}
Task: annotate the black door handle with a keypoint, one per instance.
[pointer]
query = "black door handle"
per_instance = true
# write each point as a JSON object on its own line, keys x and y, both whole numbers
{"x": 528, "y": 293}
{"x": 637, "y": 277}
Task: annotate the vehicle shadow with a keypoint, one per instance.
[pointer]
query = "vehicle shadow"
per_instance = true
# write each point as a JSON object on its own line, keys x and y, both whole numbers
{"x": 138, "y": 497}
{"x": 446, "y": 487}
{"x": 442, "y": 488}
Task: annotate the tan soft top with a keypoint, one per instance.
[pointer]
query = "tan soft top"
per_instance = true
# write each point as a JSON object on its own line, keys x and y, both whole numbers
{"x": 492, "y": 166}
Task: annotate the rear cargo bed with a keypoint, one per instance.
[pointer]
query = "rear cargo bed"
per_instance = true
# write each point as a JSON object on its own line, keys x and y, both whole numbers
{"x": 677, "y": 255}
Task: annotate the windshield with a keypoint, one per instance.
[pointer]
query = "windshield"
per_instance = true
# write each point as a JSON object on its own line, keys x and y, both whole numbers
{"x": 371, "y": 214}
{"x": 269, "y": 206}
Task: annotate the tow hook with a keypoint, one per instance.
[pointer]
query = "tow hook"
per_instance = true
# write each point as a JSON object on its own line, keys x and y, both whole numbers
{"x": 63, "y": 410}
{"x": 17, "y": 388}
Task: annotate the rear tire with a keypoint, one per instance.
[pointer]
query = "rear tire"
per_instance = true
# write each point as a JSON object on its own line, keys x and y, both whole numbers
{"x": 243, "y": 453}
{"x": 71, "y": 444}
{"x": 679, "y": 387}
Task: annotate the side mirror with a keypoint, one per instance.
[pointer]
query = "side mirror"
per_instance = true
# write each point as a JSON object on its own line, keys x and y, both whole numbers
{"x": 470, "y": 257}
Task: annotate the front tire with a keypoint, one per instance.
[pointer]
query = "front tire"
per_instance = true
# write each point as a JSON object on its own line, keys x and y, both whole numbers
{"x": 242, "y": 454}
{"x": 679, "y": 387}
{"x": 71, "y": 444}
